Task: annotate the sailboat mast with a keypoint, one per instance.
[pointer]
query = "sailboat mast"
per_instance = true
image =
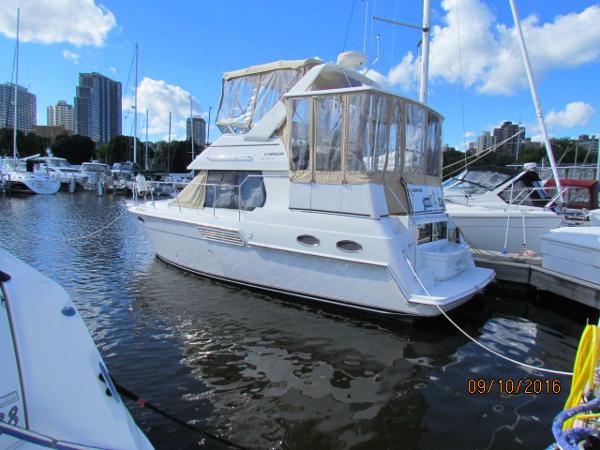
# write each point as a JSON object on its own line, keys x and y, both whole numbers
{"x": 425, "y": 52}
{"x": 146, "y": 149}
{"x": 536, "y": 100}
{"x": 192, "y": 126}
{"x": 15, "y": 127}
{"x": 135, "y": 107}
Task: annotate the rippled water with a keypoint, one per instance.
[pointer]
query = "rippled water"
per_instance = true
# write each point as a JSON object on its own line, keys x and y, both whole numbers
{"x": 266, "y": 372}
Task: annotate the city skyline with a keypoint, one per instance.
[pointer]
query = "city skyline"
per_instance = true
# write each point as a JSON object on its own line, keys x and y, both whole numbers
{"x": 173, "y": 68}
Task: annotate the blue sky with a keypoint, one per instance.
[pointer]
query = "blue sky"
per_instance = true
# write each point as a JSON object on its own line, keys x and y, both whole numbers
{"x": 186, "y": 46}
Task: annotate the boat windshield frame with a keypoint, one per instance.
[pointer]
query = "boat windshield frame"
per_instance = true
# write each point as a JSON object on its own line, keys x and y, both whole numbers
{"x": 460, "y": 183}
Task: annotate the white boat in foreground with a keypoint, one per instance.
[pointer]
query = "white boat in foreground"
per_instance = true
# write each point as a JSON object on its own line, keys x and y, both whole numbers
{"x": 54, "y": 385}
{"x": 501, "y": 210}
{"x": 323, "y": 186}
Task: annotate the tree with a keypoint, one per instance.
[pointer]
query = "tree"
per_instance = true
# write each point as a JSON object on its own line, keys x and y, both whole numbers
{"x": 451, "y": 158}
{"x": 76, "y": 148}
{"x": 6, "y": 141}
{"x": 34, "y": 145}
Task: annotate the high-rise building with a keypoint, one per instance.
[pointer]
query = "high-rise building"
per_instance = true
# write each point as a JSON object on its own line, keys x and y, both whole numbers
{"x": 61, "y": 114}
{"x": 509, "y": 132}
{"x": 26, "y": 108}
{"x": 485, "y": 142}
{"x": 98, "y": 107}
{"x": 199, "y": 130}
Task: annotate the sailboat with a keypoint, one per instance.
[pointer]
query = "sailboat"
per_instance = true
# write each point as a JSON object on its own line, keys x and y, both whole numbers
{"x": 17, "y": 175}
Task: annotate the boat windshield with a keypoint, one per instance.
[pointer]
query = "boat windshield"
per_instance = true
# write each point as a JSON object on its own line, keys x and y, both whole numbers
{"x": 249, "y": 94}
{"x": 476, "y": 181}
{"x": 59, "y": 162}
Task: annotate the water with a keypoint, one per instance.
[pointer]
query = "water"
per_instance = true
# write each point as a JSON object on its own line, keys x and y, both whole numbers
{"x": 265, "y": 372}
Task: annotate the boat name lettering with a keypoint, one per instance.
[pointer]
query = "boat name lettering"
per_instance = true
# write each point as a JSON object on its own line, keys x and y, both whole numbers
{"x": 273, "y": 153}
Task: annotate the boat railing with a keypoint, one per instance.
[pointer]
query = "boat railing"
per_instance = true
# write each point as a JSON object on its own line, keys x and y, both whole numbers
{"x": 154, "y": 187}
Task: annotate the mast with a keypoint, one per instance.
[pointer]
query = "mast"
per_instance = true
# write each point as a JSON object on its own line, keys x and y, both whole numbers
{"x": 424, "y": 75}
{"x": 135, "y": 107}
{"x": 15, "y": 127}
{"x": 146, "y": 149}
{"x": 192, "y": 126}
{"x": 208, "y": 128}
{"x": 536, "y": 100}
{"x": 169, "y": 147}
{"x": 425, "y": 52}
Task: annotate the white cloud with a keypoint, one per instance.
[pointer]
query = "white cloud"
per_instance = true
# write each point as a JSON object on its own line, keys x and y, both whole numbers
{"x": 71, "y": 56}
{"x": 159, "y": 97}
{"x": 575, "y": 114}
{"x": 490, "y": 58}
{"x": 79, "y": 22}
{"x": 112, "y": 70}
{"x": 469, "y": 133}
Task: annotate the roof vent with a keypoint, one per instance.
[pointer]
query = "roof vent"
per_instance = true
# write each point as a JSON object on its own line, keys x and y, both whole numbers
{"x": 352, "y": 60}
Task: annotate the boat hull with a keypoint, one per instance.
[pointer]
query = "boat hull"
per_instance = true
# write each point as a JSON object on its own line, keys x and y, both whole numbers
{"x": 365, "y": 285}
{"x": 35, "y": 185}
{"x": 485, "y": 229}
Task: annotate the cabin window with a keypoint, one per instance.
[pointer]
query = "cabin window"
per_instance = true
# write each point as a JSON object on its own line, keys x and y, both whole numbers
{"x": 329, "y": 114}
{"x": 434, "y": 144}
{"x": 300, "y": 137}
{"x": 367, "y": 133}
{"x": 430, "y": 232}
{"x": 232, "y": 190}
{"x": 424, "y": 233}
{"x": 252, "y": 190}
{"x": 415, "y": 117}
{"x": 394, "y": 143}
{"x": 440, "y": 230}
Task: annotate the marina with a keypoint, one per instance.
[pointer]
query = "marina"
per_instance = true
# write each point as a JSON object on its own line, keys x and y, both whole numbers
{"x": 265, "y": 371}
{"x": 327, "y": 271}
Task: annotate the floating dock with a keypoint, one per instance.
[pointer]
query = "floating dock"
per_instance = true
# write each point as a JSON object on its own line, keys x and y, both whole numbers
{"x": 528, "y": 270}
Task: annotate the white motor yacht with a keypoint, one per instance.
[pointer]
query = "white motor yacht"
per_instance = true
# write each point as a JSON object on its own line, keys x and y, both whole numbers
{"x": 323, "y": 186}
{"x": 55, "y": 390}
{"x": 59, "y": 167}
{"x": 20, "y": 176}
{"x": 499, "y": 209}
{"x": 92, "y": 172}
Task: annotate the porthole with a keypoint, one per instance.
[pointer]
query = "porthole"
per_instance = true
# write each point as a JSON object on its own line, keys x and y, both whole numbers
{"x": 308, "y": 240}
{"x": 349, "y": 246}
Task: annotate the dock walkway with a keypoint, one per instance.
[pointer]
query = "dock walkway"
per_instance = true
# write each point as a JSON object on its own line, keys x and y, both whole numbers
{"x": 528, "y": 270}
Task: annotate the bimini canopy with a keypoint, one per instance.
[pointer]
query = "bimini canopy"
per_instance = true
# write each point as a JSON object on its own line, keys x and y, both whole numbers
{"x": 249, "y": 93}
{"x": 362, "y": 135}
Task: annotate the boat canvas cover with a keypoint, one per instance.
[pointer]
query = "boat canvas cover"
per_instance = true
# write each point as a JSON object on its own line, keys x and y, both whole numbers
{"x": 193, "y": 195}
{"x": 248, "y": 94}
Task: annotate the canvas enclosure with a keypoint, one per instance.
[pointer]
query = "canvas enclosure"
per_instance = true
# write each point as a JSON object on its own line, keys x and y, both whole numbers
{"x": 363, "y": 135}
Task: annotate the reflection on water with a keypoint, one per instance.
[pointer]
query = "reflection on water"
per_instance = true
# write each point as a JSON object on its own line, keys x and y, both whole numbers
{"x": 266, "y": 372}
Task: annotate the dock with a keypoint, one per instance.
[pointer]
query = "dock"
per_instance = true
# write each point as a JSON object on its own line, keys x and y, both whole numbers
{"x": 528, "y": 270}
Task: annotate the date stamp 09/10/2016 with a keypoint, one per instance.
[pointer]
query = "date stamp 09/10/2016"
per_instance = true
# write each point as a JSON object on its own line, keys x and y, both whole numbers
{"x": 513, "y": 386}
